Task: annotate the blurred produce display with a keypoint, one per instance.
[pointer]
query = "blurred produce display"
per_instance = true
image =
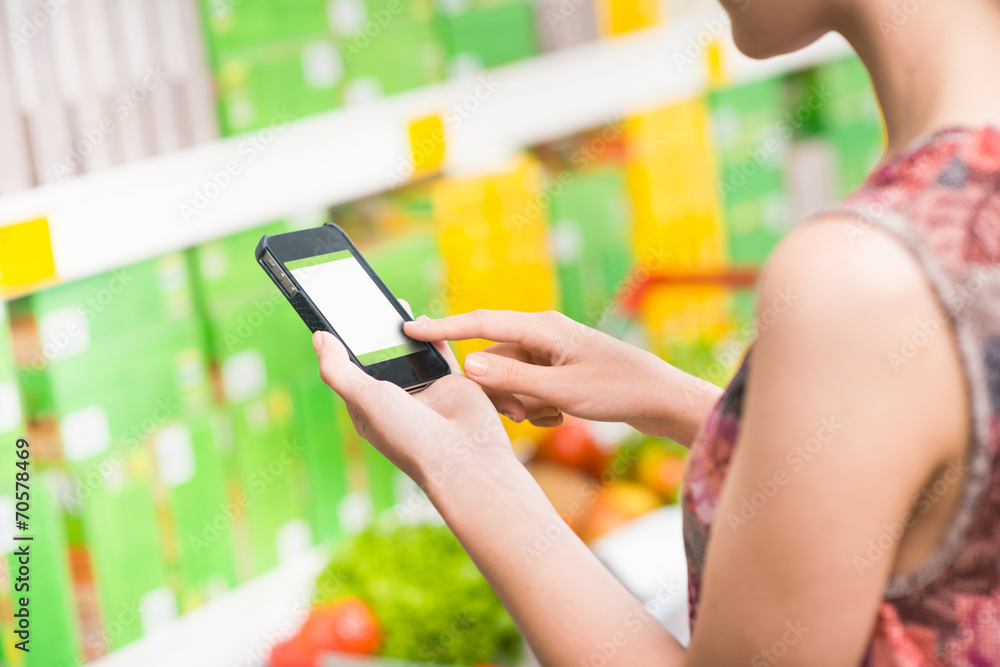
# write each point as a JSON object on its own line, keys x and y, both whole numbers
{"x": 182, "y": 441}
{"x": 406, "y": 592}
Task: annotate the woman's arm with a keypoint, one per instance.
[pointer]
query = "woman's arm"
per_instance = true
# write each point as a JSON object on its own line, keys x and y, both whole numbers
{"x": 571, "y": 610}
{"x": 835, "y": 445}
{"x": 782, "y": 583}
{"x": 548, "y": 362}
{"x": 449, "y": 439}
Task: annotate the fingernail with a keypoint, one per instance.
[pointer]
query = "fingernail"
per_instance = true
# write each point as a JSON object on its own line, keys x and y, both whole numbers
{"x": 423, "y": 318}
{"x": 318, "y": 341}
{"x": 548, "y": 412}
{"x": 510, "y": 417}
{"x": 476, "y": 364}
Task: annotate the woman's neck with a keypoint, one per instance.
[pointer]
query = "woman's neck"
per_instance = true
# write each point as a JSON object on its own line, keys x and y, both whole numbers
{"x": 934, "y": 68}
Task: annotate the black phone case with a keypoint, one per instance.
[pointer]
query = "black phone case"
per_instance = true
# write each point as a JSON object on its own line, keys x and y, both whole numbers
{"x": 304, "y": 306}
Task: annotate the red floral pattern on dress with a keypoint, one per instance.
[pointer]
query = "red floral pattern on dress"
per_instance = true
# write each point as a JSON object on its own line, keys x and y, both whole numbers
{"x": 947, "y": 188}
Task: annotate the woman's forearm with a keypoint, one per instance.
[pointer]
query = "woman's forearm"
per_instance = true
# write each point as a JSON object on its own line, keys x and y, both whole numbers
{"x": 571, "y": 610}
{"x": 676, "y": 404}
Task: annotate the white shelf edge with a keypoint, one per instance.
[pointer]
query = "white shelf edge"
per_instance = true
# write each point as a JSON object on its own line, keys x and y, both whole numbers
{"x": 235, "y": 627}
{"x": 109, "y": 219}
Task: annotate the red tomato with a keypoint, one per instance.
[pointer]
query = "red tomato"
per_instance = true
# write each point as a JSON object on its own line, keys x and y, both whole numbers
{"x": 295, "y": 652}
{"x": 571, "y": 444}
{"x": 346, "y": 625}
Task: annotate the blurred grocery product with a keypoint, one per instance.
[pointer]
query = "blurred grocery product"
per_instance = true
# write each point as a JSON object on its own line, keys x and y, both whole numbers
{"x": 487, "y": 33}
{"x": 616, "y": 17}
{"x": 563, "y": 24}
{"x": 573, "y": 445}
{"x": 618, "y": 503}
{"x": 412, "y": 592}
{"x": 345, "y": 625}
{"x": 85, "y": 86}
{"x": 493, "y": 232}
{"x": 661, "y": 471}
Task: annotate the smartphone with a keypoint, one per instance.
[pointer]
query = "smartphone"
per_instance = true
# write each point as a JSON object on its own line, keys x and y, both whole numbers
{"x": 331, "y": 286}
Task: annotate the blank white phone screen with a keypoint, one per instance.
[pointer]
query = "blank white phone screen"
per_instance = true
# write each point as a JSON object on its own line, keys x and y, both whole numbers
{"x": 355, "y": 306}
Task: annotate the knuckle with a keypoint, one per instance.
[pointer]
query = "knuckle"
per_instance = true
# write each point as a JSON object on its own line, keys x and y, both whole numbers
{"x": 553, "y": 318}
{"x": 508, "y": 374}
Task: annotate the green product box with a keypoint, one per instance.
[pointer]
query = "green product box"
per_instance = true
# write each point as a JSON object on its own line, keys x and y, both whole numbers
{"x": 318, "y": 430}
{"x": 744, "y": 117}
{"x": 389, "y": 46}
{"x": 755, "y": 226}
{"x": 752, "y": 131}
{"x": 55, "y": 634}
{"x": 409, "y": 60}
{"x": 269, "y": 459}
{"x": 8, "y": 368}
{"x": 413, "y": 269}
{"x": 260, "y": 346}
{"x": 591, "y": 230}
{"x": 225, "y": 268}
{"x": 123, "y": 541}
{"x": 270, "y": 85}
{"x": 482, "y": 36}
{"x": 751, "y": 134}
{"x": 251, "y": 330}
{"x": 7, "y": 365}
{"x": 848, "y": 93}
{"x": 851, "y": 120}
{"x": 11, "y": 404}
{"x": 236, "y": 26}
{"x": 383, "y": 479}
{"x": 744, "y": 305}
{"x": 806, "y": 102}
{"x": 150, "y": 375}
{"x": 750, "y": 180}
{"x": 858, "y": 148}
{"x": 73, "y": 317}
{"x": 12, "y": 424}
{"x": 190, "y": 478}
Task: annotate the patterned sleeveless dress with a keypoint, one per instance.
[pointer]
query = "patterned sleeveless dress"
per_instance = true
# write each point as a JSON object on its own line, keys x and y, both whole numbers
{"x": 941, "y": 199}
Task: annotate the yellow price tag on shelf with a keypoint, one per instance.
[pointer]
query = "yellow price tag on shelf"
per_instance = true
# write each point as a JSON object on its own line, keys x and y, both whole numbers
{"x": 25, "y": 254}
{"x": 715, "y": 63}
{"x": 427, "y": 144}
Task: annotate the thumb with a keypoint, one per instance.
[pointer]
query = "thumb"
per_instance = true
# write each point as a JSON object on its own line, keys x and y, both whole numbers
{"x": 498, "y": 372}
{"x": 336, "y": 368}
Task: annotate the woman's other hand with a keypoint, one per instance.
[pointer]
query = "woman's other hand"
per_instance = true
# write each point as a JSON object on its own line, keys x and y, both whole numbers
{"x": 544, "y": 364}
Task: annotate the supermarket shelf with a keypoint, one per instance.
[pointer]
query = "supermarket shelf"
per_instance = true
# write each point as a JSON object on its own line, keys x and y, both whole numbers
{"x": 109, "y": 219}
{"x": 233, "y": 629}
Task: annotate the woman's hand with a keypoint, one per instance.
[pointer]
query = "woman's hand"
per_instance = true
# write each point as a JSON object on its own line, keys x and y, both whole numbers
{"x": 544, "y": 364}
{"x": 426, "y": 435}
{"x": 449, "y": 439}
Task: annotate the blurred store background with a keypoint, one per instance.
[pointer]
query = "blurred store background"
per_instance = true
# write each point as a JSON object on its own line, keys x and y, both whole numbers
{"x": 194, "y": 488}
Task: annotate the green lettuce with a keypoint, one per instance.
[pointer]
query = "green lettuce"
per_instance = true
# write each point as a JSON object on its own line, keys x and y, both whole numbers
{"x": 431, "y": 600}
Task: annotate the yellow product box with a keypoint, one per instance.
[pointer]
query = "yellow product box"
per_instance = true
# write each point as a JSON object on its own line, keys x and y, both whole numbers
{"x": 686, "y": 312}
{"x": 671, "y": 177}
{"x": 616, "y": 17}
{"x": 494, "y": 240}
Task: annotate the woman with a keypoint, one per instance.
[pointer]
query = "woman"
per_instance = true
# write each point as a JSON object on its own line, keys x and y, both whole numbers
{"x": 842, "y": 493}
